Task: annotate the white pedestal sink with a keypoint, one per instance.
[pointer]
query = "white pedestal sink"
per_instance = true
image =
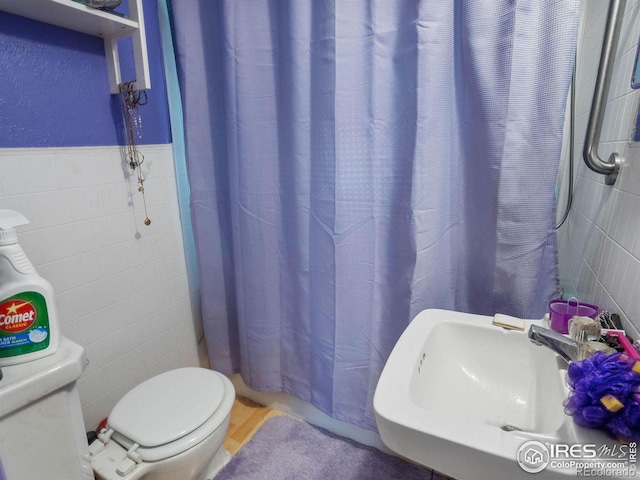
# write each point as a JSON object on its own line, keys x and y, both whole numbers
{"x": 462, "y": 396}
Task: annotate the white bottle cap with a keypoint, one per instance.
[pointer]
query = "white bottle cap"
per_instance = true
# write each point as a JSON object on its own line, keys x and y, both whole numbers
{"x": 8, "y": 221}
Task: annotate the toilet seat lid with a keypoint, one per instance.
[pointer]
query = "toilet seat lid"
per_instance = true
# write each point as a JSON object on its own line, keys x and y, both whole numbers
{"x": 168, "y": 406}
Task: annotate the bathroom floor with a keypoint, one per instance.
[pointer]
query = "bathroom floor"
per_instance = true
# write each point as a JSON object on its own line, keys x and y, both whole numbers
{"x": 246, "y": 418}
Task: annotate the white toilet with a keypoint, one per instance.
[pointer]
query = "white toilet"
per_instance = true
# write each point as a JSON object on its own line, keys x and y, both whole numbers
{"x": 170, "y": 427}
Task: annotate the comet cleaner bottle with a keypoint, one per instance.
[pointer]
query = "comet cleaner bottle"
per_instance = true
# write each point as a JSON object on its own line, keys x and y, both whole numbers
{"x": 28, "y": 320}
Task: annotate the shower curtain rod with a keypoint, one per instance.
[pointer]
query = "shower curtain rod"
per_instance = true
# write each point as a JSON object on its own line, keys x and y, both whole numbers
{"x": 599, "y": 104}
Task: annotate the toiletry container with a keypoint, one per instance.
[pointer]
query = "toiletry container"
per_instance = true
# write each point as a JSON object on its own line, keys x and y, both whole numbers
{"x": 42, "y": 432}
{"x": 561, "y": 311}
{"x": 169, "y": 427}
{"x": 28, "y": 320}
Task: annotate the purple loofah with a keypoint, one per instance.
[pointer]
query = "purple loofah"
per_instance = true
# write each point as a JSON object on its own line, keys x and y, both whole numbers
{"x": 601, "y": 377}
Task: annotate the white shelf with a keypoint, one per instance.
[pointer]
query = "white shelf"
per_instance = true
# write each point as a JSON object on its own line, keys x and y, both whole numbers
{"x": 72, "y": 15}
{"x": 76, "y": 16}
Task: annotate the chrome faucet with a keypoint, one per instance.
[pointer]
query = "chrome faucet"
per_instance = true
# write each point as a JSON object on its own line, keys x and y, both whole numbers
{"x": 563, "y": 346}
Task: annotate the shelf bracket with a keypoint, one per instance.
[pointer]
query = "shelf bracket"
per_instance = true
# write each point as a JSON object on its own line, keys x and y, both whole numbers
{"x": 139, "y": 40}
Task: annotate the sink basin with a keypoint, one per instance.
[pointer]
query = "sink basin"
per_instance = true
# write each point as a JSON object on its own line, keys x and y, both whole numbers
{"x": 461, "y": 396}
{"x": 471, "y": 374}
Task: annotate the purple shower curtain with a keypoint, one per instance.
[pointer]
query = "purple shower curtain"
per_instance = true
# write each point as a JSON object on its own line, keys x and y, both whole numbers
{"x": 354, "y": 162}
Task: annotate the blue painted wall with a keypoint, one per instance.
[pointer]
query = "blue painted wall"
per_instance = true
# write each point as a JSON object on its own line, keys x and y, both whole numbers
{"x": 54, "y": 88}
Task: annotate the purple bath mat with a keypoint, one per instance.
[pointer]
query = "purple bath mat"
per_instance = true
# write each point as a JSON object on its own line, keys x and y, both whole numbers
{"x": 285, "y": 448}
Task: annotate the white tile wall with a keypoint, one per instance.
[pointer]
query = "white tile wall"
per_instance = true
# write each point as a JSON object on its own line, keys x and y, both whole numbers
{"x": 600, "y": 243}
{"x": 121, "y": 287}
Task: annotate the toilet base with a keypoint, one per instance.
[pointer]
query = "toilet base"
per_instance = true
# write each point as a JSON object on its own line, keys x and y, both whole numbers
{"x": 187, "y": 465}
{"x": 220, "y": 459}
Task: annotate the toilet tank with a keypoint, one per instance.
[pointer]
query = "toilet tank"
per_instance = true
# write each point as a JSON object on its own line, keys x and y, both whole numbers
{"x": 41, "y": 425}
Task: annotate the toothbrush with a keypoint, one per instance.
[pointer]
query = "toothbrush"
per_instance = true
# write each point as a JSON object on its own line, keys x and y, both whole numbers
{"x": 626, "y": 344}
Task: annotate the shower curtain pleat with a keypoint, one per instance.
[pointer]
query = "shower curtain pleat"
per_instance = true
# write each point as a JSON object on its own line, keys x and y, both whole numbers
{"x": 352, "y": 163}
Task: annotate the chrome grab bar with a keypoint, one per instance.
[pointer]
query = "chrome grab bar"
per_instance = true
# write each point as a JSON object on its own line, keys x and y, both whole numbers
{"x": 598, "y": 106}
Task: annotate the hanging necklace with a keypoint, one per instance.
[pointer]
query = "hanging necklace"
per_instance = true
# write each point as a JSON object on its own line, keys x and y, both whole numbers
{"x": 131, "y": 100}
